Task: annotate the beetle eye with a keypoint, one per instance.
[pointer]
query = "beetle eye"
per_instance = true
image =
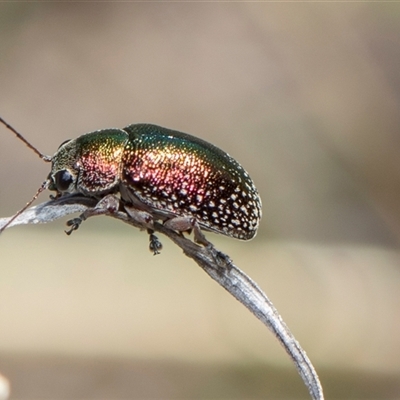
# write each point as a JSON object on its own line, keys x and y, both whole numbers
{"x": 63, "y": 179}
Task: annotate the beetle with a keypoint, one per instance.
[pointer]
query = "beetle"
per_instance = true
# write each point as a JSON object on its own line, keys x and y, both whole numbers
{"x": 155, "y": 173}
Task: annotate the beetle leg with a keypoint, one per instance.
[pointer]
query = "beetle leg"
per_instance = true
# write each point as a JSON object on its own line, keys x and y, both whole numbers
{"x": 146, "y": 221}
{"x": 108, "y": 204}
{"x": 141, "y": 217}
{"x": 183, "y": 224}
{"x": 187, "y": 224}
{"x": 180, "y": 224}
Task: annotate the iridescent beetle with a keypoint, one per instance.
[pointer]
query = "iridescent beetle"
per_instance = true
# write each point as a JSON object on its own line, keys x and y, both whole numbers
{"x": 157, "y": 174}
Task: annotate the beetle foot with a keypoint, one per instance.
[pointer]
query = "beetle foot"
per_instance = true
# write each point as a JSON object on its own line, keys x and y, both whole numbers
{"x": 221, "y": 259}
{"x": 74, "y": 224}
{"x": 108, "y": 204}
{"x": 146, "y": 221}
{"x": 57, "y": 196}
{"x": 155, "y": 245}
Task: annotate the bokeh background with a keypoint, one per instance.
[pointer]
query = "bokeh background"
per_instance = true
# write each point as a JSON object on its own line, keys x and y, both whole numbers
{"x": 307, "y": 97}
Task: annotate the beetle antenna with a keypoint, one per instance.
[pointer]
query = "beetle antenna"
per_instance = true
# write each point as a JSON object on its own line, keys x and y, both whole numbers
{"x": 44, "y": 186}
{"x": 19, "y": 136}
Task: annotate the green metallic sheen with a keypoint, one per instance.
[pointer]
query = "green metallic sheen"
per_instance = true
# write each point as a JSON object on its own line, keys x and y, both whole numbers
{"x": 163, "y": 172}
{"x": 184, "y": 175}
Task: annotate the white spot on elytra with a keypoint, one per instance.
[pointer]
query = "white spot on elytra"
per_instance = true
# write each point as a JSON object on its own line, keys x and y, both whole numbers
{"x": 244, "y": 209}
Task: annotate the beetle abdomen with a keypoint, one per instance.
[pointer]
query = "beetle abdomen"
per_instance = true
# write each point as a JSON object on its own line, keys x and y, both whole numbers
{"x": 185, "y": 176}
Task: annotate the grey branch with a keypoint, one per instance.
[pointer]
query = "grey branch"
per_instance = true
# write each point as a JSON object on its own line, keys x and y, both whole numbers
{"x": 217, "y": 266}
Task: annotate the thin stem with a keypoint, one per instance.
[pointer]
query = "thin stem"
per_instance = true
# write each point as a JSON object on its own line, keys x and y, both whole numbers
{"x": 220, "y": 268}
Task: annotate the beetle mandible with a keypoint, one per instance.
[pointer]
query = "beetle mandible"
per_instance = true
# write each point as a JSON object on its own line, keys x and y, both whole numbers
{"x": 157, "y": 174}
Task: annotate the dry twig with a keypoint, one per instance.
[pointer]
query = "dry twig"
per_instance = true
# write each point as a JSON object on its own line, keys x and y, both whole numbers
{"x": 218, "y": 266}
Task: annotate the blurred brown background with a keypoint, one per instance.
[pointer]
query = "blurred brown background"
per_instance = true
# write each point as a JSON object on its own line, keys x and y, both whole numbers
{"x": 306, "y": 96}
